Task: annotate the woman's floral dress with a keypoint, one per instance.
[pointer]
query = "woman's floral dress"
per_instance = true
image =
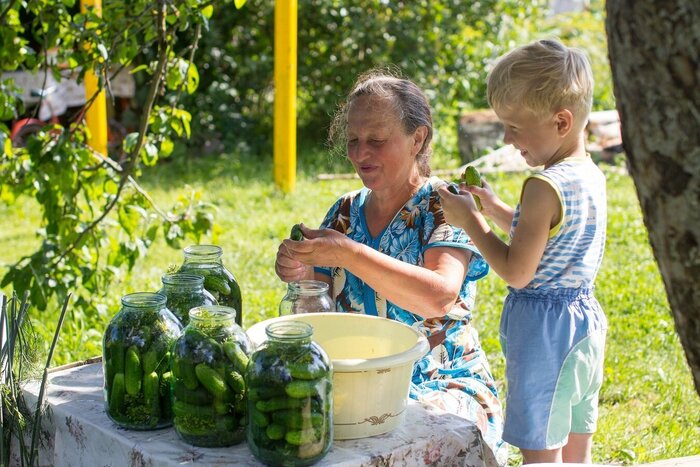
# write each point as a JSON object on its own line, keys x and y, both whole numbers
{"x": 454, "y": 376}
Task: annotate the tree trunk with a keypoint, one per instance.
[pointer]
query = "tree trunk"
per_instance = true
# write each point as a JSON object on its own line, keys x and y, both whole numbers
{"x": 655, "y": 57}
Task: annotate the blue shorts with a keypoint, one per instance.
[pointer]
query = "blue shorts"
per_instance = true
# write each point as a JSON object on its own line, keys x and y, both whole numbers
{"x": 553, "y": 341}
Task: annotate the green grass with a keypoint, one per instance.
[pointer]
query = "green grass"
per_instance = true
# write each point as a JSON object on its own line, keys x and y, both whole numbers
{"x": 649, "y": 409}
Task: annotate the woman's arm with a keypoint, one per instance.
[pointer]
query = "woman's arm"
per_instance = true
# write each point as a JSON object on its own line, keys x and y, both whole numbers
{"x": 429, "y": 291}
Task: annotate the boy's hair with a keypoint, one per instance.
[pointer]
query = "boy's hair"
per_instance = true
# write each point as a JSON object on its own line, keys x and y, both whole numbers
{"x": 544, "y": 76}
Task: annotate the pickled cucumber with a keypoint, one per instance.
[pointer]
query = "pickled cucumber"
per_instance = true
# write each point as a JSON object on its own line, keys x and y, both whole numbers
{"x": 302, "y": 389}
{"x": 133, "y": 373}
{"x": 213, "y": 382}
{"x": 236, "y": 355}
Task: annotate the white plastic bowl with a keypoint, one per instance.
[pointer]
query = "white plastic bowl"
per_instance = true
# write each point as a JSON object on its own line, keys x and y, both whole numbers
{"x": 372, "y": 366}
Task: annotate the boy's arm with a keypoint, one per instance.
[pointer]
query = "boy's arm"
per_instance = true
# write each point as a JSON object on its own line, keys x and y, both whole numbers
{"x": 516, "y": 263}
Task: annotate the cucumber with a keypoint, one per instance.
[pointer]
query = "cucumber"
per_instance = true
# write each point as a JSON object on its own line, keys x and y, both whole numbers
{"x": 133, "y": 373}
{"x": 183, "y": 370}
{"x": 306, "y": 371}
{"x": 116, "y": 396}
{"x": 116, "y": 356}
{"x": 149, "y": 360}
{"x": 183, "y": 409}
{"x": 297, "y": 420}
{"x": 296, "y": 233}
{"x": 236, "y": 355}
{"x": 301, "y": 389}
{"x": 218, "y": 284}
{"x": 259, "y": 418}
{"x": 166, "y": 403}
{"x": 235, "y": 381}
{"x": 213, "y": 382}
{"x": 300, "y": 437}
{"x": 452, "y": 188}
{"x": 151, "y": 393}
{"x": 265, "y": 392}
{"x": 221, "y": 407}
{"x": 278, "y": 403}
{"x": 197, "y": 396}
{"x": 275, "y": 431}
{"x": 471, "y": 177}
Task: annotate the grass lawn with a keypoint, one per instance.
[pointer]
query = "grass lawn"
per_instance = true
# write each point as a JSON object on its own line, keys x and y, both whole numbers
{"x": 649, "y": 409}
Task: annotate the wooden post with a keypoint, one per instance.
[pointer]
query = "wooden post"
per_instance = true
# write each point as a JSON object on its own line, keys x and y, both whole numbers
{"x": 96, "y": 114}
{"x": 285, "y": 136}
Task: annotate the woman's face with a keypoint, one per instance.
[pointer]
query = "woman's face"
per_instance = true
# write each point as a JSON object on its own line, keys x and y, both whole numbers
{"x": 383, "y": 155}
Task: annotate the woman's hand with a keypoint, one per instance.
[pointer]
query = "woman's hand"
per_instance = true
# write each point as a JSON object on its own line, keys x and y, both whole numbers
{"x": 322, "y": 247}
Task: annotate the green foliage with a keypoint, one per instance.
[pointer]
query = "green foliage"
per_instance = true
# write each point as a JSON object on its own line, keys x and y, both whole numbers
{"x": 444, "y": 46}
{"x": 95, "y": 218}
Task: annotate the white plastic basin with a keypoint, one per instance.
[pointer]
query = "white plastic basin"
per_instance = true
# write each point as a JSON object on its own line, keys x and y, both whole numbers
{"x": 372, "y": 365}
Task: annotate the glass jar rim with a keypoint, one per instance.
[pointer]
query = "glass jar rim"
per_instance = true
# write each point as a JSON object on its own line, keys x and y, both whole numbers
{"x": 309, "y": 287}
{"x": 182, "y": 279}
{"x": 289, "y": 330}
{"x": 214, "y": 313}
{"x": 144, "y": 299}
{"x": 203, "y": 250}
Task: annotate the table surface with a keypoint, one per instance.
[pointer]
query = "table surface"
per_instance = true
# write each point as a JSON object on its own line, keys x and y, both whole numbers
{"x": 76, "y": 431}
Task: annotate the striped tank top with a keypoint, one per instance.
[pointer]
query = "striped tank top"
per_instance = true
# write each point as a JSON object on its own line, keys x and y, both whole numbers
{"x": 575, "y": 246}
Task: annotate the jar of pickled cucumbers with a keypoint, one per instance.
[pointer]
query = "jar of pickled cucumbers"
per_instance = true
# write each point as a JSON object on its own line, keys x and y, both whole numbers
{"x": 185, "y": 291}
{"x": 136, "y": 362}
{"x": 307, "y": 296}
{"x": 205, "y": 260}
{"x": 208, "y": 386}
{"x": 290, "y": 402}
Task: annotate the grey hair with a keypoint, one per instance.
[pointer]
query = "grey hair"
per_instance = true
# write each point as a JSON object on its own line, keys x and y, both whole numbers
{"x": 409, "y": 104}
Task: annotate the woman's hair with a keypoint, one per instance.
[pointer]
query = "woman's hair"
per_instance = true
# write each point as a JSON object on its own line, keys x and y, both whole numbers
{"x": 409, "y": 104}
{"x": 543, "y": 76}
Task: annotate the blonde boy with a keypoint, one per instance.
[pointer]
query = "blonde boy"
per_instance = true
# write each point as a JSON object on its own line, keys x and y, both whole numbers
{"x": 552, "y": 328}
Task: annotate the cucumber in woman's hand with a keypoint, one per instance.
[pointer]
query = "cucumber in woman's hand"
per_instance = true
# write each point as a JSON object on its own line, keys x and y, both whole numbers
{"x": 296, "y": 233}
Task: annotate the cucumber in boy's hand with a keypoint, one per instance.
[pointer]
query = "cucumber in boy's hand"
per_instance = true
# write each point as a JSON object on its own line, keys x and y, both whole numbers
{"x": 471, "y": 177}
{"x": 296, "y": 233}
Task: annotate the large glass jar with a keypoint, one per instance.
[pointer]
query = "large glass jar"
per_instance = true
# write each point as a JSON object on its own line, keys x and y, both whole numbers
{"x": 306, "y": 296}
{"x": 208, "y": 386}
{"x": 205, "y": 260}
{"x": 185, "y": 291}
{"x": 136, "y": 362}
{"x": 290, "y": 400}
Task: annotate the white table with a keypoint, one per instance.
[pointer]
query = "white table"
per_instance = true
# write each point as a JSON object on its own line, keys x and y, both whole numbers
{"x": 76, "y": 432}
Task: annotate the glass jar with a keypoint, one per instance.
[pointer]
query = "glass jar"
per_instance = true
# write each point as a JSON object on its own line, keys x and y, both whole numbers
{"x": 307, "y": 296}
{"x": 184, "y": 292}
{"x": 205, "y": 260}
{"x": 136, "y": 362}
{"x": 208, "y": 386}
{"x": 290, "y": 400}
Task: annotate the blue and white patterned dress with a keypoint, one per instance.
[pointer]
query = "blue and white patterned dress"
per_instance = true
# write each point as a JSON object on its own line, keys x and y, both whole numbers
{"x": 454, "y": 376}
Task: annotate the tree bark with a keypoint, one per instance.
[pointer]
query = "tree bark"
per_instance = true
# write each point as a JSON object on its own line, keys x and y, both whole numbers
{"x": 654, "y": 52}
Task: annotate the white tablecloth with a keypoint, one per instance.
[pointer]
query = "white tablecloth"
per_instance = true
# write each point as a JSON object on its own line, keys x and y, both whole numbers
{"x": 76, "y": 432}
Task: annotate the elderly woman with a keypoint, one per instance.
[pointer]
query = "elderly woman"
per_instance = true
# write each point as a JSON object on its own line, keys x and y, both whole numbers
{"x": 386, "y": 249}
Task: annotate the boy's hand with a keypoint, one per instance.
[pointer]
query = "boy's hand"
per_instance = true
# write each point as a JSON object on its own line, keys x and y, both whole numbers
{"x": 486, "y": 195}
{"x": 459, "y": 209}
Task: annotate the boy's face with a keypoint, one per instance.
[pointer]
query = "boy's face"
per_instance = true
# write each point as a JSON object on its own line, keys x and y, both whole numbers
{"x": 538, "y": 139}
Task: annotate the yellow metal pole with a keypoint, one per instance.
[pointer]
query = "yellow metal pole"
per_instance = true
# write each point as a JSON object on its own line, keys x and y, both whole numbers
{"x": 285, "y": 127}
{"x": 96, "y": 114}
